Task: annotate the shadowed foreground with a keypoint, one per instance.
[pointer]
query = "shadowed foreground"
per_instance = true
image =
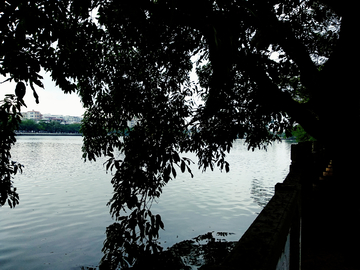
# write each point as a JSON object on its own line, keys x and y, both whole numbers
{"x": 331, "y": 240}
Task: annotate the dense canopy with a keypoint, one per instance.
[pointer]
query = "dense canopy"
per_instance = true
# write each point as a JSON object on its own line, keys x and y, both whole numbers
{"x": 262, "y": 67}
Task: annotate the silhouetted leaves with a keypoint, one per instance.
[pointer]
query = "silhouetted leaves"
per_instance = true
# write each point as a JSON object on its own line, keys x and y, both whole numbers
{"x": 134, "y": 62}
{"x": 201, "y": 250}
{"x": 10, "y": 117}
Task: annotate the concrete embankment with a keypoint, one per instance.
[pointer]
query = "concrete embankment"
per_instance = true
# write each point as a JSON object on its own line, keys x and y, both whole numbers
{"x": 46, "y": 134}
{"x": 311, "y": 223}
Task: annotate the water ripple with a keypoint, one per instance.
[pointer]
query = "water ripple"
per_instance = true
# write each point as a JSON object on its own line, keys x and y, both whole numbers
{"x": 61, "y": 220}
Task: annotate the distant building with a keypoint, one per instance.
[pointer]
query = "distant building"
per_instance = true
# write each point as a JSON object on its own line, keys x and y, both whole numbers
{"x": 37, "y": 116}
{"x": 72, "y": 119}
{"x": 33, "y": 115}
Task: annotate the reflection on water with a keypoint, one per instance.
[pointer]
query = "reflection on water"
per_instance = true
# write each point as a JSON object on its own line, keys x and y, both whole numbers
{"x": 62, "y": 215}
{"x": 261, "y": 194}
{"x": 61, "y": 220}
{"x": 228, "y": 202}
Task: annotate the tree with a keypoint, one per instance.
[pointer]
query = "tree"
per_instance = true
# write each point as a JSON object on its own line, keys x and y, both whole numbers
{"x": 9, "y": 122}
{"x": 300, "y": 134}
{"x": 134, "y": 60}
{"x": 28, "y": 125}
{"x": 51, "y": 127}
{"x": 72, "y": 128}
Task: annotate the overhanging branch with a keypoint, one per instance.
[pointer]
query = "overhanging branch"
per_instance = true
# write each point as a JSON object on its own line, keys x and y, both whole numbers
{"x": 271, "y": 96}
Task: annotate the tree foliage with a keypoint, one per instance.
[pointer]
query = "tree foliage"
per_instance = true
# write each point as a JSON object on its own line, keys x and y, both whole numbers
{"x": 300, "y": 134}
{"x": 262, "y": 66}
{"x": 10, "y": 118}
{"x": 30, "y": 125}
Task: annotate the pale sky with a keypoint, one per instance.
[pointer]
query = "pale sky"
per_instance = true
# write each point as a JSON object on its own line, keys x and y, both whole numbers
{"x": 52, "y": 99}
{"x": 55, "y": 101}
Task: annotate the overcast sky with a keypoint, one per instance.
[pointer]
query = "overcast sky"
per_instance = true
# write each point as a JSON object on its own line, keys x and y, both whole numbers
{"x": 52, "y": 99}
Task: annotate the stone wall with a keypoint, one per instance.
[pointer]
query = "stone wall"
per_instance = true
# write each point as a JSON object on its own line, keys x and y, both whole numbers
{"x": 273, "y": 241}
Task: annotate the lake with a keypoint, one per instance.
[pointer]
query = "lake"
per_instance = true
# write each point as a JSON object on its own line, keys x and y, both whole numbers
{"x": 61, "y": 220}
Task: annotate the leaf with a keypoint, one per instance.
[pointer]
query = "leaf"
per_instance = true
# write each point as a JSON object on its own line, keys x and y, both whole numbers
{"x": 227, "y": 166}
{"x": 183, "y": 166}
{"x": 117, "y": 164}
{"x": 173, "y": 171}
{"x": 159, "y": 221}
{"x": 167, "y": 170}
{"x": 189, "y": 170}
{"x": 7, "y": 80}
{"x": 152, "y": 221}
{"x": 188, "y": 160}
{"x": 108, "y": 163}
{"x": 36, "y": 97}
{"x": 39, "y": 83}
{"x": 176, "y": 157}
{"x": 10, "y": 203}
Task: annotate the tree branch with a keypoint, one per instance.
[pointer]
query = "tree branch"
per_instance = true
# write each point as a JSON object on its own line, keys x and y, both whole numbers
{"x": 271, "y": 96}
{"x": 282, "y": 33}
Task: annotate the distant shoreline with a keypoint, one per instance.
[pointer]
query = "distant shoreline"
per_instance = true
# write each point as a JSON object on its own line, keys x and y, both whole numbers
{"x": 47, "y": 134}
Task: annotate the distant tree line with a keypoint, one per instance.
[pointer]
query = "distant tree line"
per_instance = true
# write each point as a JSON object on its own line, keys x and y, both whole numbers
{"x": 29, "y": 125}
{"x": 300, "y": 135}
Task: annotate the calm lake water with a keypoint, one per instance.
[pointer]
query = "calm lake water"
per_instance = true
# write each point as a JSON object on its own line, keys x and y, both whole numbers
{"x": 62, "y": 216}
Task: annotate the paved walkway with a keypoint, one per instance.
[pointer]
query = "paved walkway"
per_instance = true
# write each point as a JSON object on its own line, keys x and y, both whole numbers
{"x": 332, "y": 233}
